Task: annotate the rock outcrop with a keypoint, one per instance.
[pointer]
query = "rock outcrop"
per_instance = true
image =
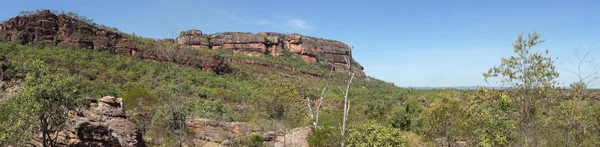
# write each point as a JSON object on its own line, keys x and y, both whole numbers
{"x": 276, "y": 44}
{"x": 67, "y": 31}
{"x": 102, "y": 124}
{"x": 211, "y": 133}
{"x": 193, "y": 38}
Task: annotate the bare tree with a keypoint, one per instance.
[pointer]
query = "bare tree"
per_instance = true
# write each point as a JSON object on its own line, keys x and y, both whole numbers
{"x": 586, "y": 69}
{"x": 346, "y": 101}
{"x": 587, "y": 72}
{"x": 314, "y": 115}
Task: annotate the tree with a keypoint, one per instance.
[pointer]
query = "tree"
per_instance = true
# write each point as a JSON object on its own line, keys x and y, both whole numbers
{"x": 315, "y": 115}
{"x": 444, "y": 118}
{"x": 169, "y": 120}
{"x": 531, "y": 75}
{"x": 406, "y": 117}
{"x": 586, "y": 69}
{"x": 489, "y": 118}
{"x": 346, "y": 101}
{"x": 372, "y": 133}
{"x": 570, "y": 112}
{"x": 42, "y": 106}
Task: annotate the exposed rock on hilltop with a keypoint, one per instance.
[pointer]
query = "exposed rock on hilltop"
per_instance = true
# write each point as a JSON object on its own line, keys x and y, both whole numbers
{"x": 271, "y": 43}
{"x": 67, "y": 31}
{"x": 103, "y": 124}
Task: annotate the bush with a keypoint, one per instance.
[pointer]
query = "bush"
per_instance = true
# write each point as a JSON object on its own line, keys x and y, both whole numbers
{"x": 168, "y": 124}
{"x": 376, "y": 108}
{"x": 138, "y": 100}
{"x": 208, "y": 109}
{"x": 325, "y": 136}
{"x": 406, "y": 117}
{"x": 249, "y": 141}
{"x": 372, "y": 133}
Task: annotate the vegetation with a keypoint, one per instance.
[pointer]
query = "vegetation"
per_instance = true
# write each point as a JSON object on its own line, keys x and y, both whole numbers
{"x": 159, "y": 96}
{"x": 42, "y": 106}
{"x": 374, "y": 134}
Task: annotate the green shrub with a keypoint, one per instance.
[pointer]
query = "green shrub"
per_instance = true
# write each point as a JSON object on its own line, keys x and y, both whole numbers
{"x": 372, "y": 133}
{"x": 201, "y": 108}
{"x": 252, "y": 140}
{"x": 376, "y": 108}
{"x": 406, "y": 117}
{"x": 138, "y": 100}
{"x": 325, "y": 136}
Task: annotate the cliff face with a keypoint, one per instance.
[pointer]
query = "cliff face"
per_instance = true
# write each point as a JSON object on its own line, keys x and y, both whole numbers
{"x": 66, "y": 31}
{"x": 312, "y": 50}
{"x": 59, "y": 30}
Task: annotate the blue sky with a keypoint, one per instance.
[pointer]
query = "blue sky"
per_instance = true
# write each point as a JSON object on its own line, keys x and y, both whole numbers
{"x": 411, "y": 43}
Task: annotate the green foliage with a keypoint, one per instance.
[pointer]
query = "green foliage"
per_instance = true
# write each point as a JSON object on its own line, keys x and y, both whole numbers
{"x": 201, "y": 108}
{"x": 444, "y": 118}
{"x": 138, "y": 100}
{"x": 374, "y": 134}
{"x": 376, "y": 108}
{"x": 251, "y": 93}
{"x": 324, "y": 136}
{"x": 406, "y": 117}
{"x": 251, "y": 140}
{"x": 490, "y": 118}
{"x": 42, "y": 104}
{"x": 168, "y": 123}
{"x": 533, "y": 75}
{"x": 526, "y": 70}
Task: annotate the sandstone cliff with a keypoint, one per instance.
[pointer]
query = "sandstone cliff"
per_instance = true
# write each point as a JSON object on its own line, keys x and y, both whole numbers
{"x": 312, "y": 50}
{"x": 67, "y": 31}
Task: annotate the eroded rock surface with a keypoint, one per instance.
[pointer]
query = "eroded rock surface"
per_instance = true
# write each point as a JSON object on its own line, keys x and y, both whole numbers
{"x": 66, "y": 31}
{"x": 102, "y": 124}
{"x": 211, "y": 133}
{"x": 271, "y": 43}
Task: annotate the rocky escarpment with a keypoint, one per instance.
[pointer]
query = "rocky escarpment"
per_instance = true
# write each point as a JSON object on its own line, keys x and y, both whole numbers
{"x": 102, "y": 124}
{"x": 66, "y": 31}
{"x": 211, "y": 133}
{"x": 312, "y": 50}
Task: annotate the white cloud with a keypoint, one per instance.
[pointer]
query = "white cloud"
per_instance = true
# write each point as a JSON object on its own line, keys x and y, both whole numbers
{"x": 300, "y": 24}
{"x": 288, "y": 22}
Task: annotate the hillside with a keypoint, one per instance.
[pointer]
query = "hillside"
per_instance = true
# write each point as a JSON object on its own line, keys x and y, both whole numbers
{"x": 260, "y": 78}
{"x": 67, "y": 81}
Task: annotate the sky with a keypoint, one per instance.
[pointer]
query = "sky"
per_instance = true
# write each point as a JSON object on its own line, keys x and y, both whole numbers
{"x": 408, "y": 42}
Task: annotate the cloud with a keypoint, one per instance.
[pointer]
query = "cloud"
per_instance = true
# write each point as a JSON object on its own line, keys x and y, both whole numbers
{"x": 287, "y": 22}
{"x": 300, "y": 24}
